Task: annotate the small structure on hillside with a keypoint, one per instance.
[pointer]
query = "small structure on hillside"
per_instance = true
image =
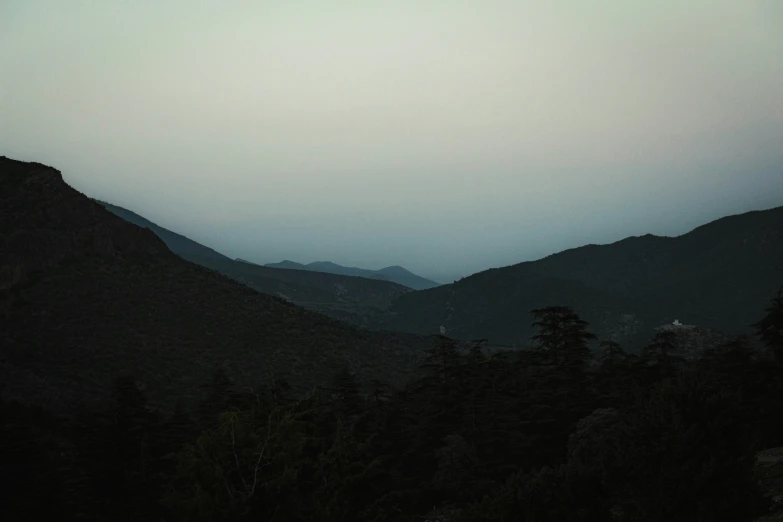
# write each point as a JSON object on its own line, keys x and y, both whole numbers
{"x": 676, "y": 326}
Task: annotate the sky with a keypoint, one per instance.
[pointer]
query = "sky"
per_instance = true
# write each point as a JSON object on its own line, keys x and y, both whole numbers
{"x": 445, "y": 136}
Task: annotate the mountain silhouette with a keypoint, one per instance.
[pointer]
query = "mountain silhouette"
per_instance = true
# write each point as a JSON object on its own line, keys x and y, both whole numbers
{"x": 346, "y": 297}
{"x": 396, "y": 274}
{"x": 86, "y": 296}
{"x": 718, "y": 275}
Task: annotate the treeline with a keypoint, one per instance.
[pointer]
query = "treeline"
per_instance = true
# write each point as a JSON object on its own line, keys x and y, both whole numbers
{"x": 555, "y": 434}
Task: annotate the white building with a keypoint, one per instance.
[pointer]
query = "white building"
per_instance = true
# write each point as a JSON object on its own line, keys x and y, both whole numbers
{"x": 676, "y": 325}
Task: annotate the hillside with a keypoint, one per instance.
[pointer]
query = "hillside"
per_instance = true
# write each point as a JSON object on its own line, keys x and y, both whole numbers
{"x": 716, "y": 276}
{"x": 396, "y": 274}
{"x": 86, "y": 296}
{"x": 340, "y": 296}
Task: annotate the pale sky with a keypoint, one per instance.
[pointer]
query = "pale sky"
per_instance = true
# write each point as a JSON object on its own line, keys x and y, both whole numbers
{"x": 444, "y": 136}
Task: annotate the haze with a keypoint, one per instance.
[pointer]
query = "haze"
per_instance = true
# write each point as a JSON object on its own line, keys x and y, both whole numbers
{"x": 448, "y": 137}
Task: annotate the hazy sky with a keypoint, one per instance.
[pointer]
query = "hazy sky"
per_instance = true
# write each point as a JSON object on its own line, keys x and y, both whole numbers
{"x": 445, "y": 136}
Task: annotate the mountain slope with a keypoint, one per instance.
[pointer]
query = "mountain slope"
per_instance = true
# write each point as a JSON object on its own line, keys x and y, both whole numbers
{"x": 177, "y": 243}
{"x": 396, "y": 274}
{"x": 86, "y": 296}
{"x": 719, "y": 275}
{"x": 340, "y": 296}
{"x": 407, "y": 278}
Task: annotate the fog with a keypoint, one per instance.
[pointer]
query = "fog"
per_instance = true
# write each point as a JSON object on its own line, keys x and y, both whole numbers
{"x": 447, "y": 137}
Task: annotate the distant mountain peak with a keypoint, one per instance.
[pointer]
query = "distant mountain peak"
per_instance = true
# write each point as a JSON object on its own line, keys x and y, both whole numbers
{"x": 395, "y": 273}
{"x": 394, "y": 267}
{"x": 324, "y": 264}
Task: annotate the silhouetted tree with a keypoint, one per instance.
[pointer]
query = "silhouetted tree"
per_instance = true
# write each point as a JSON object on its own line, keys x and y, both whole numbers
{"x": 687, "y": 455}
{"x": 345, "y": 390}
{"x": 770, "y": 327}
{"x": 736, "y": 353}
{"x": 661, "y": 346}
{"x": 217, "y": 398}
{"x": 30, "y": 468}
{"x": 611, "y": 351}
{"x": 562, "y": 334}
{"x": 440, "y": 360}
{"x": 130, "y": 450}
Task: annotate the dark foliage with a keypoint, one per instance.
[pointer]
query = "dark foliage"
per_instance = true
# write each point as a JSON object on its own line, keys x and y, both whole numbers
{"x": 770, "y": 327}
{"x": 509, "y": 437}
{"x": 276, "y": 424}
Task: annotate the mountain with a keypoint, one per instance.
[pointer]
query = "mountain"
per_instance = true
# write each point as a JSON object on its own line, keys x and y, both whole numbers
{"x": 341, "y": 296}
{"x": 720, "y": 275}
{"x": 407, "y": 278}
{"x": 286, "y": 264}
{"x": 248, "y": 262}
{"x": 177, "y": 243}
{"x": 86, "y": 296}
{"x": 396, "y": 274}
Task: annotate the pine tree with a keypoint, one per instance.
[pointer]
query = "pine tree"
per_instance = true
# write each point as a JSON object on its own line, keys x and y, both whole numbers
{"x": 611, "y": 351}
{"x": 131, "y": 453}
{"x": 441, "y": 360}
{"x": 770, "y": 328}
{"x": 562, "y": 334}
{"x": 345, "y": 390}
{"x": 219, "y": 391}
{"x": 687, "y": 455}
{"x": 661, "y": 346}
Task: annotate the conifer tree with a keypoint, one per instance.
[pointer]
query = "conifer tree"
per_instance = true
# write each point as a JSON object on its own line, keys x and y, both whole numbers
{"x": 346, "y": 391}
{"x": 661, "y": 346}
{"x": 770, "y": 328}
{"x": 562, "y": 334}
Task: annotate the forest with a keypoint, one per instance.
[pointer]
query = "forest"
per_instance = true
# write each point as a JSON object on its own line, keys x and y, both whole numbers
{"x": 575, "y": 430}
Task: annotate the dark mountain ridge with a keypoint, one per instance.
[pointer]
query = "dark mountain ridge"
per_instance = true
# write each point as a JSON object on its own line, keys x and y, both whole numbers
{"x": 395, "y": 273}
{"x": 718, "y": 275}
{"x": 341, "y": 296}
{"x": 86, "y": 296}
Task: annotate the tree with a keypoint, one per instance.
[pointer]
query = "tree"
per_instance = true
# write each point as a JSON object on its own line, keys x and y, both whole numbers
{"x": 347, "y": 477}
{"x": 562, "y": 334}
{"x": 770, "y": 328}
{"x": 32, "y": 482}
{"x": 381, "y": 391}
{"x": 561, "y": 493}
{"x": 687, "y": 454}
{"x": 611, "y": 351}
{"x": 735, "y": 353}
{"x": 477, "y": 350}
{"x": 455, "y": 459}
{"x": 123, "y": 453}
{"x": 610, "y": 354}
{"x": 246, "y": 468}
{"x": 346, "y": 390}
{"x": 217, "y": 398}
{"x": 661, "y": 346}
{"x": 440, "y": 360}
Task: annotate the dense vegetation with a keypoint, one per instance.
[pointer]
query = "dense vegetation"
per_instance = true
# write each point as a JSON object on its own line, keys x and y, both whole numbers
{"x": 559, "y": 433}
